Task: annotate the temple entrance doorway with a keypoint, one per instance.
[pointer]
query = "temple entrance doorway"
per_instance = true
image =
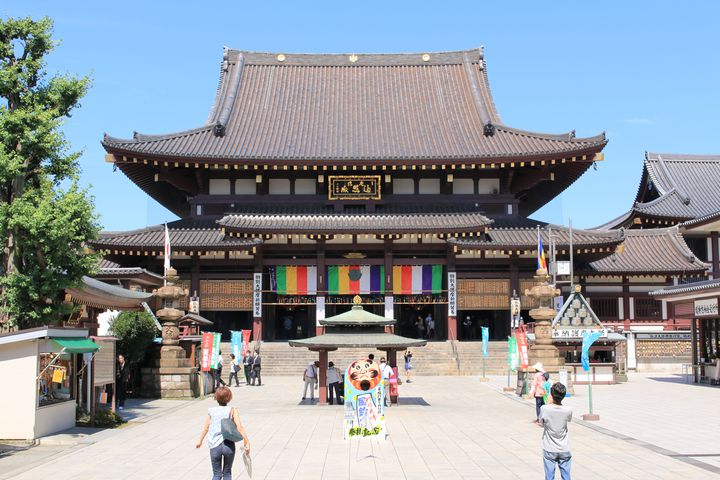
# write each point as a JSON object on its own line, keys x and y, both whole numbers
{"x": 413, "y": 318}
{"x": 470, "y": 323}
{"x": 293, "y": 322}
{"x": 224, "y": 321}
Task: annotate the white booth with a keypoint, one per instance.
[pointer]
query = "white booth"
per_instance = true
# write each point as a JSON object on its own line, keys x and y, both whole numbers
{"x": 39, "y": 369}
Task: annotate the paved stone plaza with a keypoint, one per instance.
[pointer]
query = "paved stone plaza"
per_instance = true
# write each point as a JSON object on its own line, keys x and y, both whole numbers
{"x": 447, "y": 427}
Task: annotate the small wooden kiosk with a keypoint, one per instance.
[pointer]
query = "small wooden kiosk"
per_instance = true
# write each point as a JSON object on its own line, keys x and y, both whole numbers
{"x": 356, "y": 328}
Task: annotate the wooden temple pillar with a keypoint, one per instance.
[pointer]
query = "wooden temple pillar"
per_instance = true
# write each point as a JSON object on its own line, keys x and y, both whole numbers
{"x": 389, "y": 278}
{"x": 391, "y": 357}
{"x": 694, "y": 346}
{"x": 626, "y": 303}
{"x": 322, "y": 378}
{"x": 195, "y": 275}
{"x": 321, "y": 284}
{"x": 258, "y": 268}
{"x": 714, "y": 251}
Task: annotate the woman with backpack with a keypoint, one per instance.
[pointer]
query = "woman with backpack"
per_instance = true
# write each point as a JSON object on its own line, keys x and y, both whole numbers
{"x": 222, "y": 450}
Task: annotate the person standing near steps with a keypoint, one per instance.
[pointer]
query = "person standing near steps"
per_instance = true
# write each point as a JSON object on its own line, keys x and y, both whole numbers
{"x": 256, "y": 367}
{"x": 310, "y": 377}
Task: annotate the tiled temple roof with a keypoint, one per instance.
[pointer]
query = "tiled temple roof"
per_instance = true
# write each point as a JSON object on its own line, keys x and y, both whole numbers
{"x": 675, "y": 188}
{"x": 366, "y": 107}
{"x": 656, "y": 250}
{"x": 331, "y": 223}
{"x": 184, "y": 235}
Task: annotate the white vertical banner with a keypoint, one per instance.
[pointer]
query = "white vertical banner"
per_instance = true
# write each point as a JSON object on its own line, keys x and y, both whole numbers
{"x": 452, "y": 294}
{"x": 389, "y": 307}
{"x": 257, "y": 295}
{"x": 319, "y": 310}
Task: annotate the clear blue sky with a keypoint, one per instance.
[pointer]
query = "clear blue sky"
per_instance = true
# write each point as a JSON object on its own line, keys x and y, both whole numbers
{"x": 646, "y": 72}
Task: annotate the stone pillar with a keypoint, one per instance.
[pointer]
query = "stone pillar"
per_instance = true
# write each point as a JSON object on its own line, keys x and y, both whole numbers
{"x": 322, "y": 378}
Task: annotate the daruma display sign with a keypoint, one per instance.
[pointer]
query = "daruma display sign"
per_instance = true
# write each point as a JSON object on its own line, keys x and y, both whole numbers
{"x": 364, "y": 400}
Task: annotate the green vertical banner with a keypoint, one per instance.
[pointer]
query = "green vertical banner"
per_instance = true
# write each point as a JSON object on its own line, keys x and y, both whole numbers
{"x": 332, "y": 280}
{"x": 281, "y": 280}
{"x": 513, "y": 355}
{"x": 437, "y": 278}
{"x": 216, "y": 350}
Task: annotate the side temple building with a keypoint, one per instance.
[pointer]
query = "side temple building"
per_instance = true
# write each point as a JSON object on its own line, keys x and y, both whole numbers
{"x": 390, "y": 176}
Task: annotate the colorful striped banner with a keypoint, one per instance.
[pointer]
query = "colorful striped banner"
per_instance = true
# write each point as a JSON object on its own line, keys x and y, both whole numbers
{"x": 417, "y": 279}
{"x": 355, "y": 279}
{"x": 293, "y": 280}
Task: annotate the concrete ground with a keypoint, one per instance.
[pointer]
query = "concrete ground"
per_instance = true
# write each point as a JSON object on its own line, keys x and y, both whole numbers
{"x": 445, "y": 428}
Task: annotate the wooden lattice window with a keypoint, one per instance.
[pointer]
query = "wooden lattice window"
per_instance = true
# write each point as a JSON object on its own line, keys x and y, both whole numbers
{"x": 486, "y": 294}
{"x": 647, "y": 308}
{"x": 606, "y": 308}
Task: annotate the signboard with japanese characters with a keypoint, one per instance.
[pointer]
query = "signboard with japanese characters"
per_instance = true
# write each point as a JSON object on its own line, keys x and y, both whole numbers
{"x": 574, "y": 333}
{"x": 257, "y": 295}
{"x": 706, "y": 307}
{"x": 452, "y": 294}
{"x": 354, "y": 187}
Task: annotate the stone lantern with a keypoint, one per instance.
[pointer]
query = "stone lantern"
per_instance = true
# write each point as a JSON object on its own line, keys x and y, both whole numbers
{"x": 169, "y": 314}
{"x": 172, "y": 376}
{"x": 543, "y": 350}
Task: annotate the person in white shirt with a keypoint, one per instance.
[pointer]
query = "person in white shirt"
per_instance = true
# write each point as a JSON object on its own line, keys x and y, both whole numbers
{"x": 310, "y": 378}
{"x": 430, "y": 324}
{"x": 387, "y": 372}
{"x": 334, "y": 382}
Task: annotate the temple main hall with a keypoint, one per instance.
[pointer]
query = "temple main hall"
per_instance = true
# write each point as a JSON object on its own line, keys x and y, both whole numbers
{"x": 318, "y": 177}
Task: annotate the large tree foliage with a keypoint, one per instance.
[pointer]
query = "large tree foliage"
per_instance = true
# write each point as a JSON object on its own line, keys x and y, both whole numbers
{"x": 136, "y": 332}
{"x": 45, "y": 218}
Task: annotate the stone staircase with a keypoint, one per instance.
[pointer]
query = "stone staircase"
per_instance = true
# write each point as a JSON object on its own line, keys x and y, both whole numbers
{"x": 437, "y": 358}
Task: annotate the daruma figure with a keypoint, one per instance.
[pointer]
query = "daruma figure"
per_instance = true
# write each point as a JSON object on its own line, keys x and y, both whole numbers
{"x": 364, "y": 405}
{"x": 364, "y": 375}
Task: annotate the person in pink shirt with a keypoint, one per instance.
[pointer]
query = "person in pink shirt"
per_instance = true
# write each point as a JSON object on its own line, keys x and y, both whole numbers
{"x": 537, "y": 390}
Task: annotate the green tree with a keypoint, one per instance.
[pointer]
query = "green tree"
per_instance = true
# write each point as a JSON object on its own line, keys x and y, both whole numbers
{"x": 45, "y": 218}
{"x": 136, "y": 332}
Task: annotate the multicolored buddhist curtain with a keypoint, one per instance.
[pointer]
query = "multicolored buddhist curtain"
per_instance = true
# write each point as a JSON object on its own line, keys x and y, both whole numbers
{"x": 293, "y": 279}
{"x": 355, "y": 279}
{"x": 417, "y": 279}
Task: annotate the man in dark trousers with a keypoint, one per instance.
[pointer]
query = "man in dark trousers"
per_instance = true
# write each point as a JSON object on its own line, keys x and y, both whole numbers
{"x": 122, "y": 378}
{"x": 256, "y": 365}
{"x": 247, "y": 366}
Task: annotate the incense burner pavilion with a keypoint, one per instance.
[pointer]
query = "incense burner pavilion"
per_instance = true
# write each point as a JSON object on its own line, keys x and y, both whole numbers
{"x": 316, "y": 178}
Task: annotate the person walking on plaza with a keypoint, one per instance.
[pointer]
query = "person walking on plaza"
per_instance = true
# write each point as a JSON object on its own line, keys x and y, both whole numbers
{"x": 256, "y": 367}
{"x": 408, "y": 365}
{"x": 334, "y": 382}
{"x": 247, "y": 366}
{"x": 310, "y": 379}
{"x": 537, "y": 391}
{"x": 234, "y": 369}
{"x": 387, "y": 372}
{"x": 218, "y": 372}
{"x": 222, "y": 452}
{"x": 554, "y": 418}
{"x": 122, "y": 378}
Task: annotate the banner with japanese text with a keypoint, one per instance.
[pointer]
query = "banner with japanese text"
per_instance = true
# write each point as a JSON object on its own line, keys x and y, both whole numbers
{"x": 512, "y": 354}
{"x": 206, "y": 348}
{"x": 216, "y": 351}
{"x": 245, "y": 342}
{"x": 522, "y": 347}
{"x": 485, "y": 339}
{"x": 236, "y": 344}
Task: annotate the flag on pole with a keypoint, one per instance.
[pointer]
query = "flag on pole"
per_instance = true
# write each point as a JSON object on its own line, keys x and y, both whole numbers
{"x": 166, "y": 250}
{"x": 589, "y": 337}
{"x": 485, "y": 337}
{"x": 541, "y": 263}
{"x": 513, "y": 354}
